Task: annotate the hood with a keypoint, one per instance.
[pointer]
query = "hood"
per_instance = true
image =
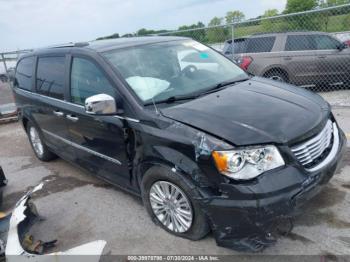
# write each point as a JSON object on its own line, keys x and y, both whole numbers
{"x": 256, "y": 111}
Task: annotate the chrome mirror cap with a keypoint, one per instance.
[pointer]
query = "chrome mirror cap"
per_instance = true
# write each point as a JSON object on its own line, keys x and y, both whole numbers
{"x": 101, "y": 104}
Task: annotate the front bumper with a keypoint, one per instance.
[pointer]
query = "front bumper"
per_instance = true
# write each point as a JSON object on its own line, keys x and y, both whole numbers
{"x": 245, "y": 214}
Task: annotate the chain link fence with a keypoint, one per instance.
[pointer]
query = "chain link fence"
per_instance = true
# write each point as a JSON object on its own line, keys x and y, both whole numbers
{"x": 308, "y": 49}
{"x": 8, "y": 110}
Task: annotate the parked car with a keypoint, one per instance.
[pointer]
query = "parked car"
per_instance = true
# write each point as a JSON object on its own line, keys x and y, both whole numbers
{"x": 204, "y": 148}
{"x": 301, "y": 58}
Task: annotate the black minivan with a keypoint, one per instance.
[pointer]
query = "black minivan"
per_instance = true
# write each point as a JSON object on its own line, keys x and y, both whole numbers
{"x": 206, "y": 146}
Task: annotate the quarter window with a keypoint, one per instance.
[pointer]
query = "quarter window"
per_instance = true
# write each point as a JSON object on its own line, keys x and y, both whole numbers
{"x": 24, "y": 73}
{"x": 50, "y": 76}
{"x": 88, "y": 80}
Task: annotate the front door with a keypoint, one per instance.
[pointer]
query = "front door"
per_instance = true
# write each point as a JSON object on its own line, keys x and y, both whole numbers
{"x": 333, "y": 64}
{"x": 98, "y": 140}
{"x": 300, "y": 59}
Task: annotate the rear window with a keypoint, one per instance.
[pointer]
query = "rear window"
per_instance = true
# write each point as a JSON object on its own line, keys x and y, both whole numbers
{"x": 239, "y": 46}
{"x": 260, "y": 44}
{"x": 50, "y": 76}
{"x": 24, "y": 73}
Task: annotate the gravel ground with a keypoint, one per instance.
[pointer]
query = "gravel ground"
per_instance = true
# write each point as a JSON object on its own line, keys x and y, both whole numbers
{"x": 80, "y": 208}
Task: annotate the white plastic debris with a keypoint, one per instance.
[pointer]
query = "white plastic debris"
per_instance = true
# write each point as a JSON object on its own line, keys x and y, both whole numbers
{"x": 91, "y": 251}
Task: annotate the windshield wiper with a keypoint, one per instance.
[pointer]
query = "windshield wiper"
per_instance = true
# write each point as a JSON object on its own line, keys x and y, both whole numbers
{"x": 172, "y": 99}
{"x": 212, "y": 89}
{"x": 220, "y": 85}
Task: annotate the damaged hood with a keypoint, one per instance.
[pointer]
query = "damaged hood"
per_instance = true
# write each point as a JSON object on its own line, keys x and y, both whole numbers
{"x": 253, "y": 112}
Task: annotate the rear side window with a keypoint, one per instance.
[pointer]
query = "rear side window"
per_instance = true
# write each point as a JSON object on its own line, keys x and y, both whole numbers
{"x": 50, "y": 76}
{"x": 24, "y": 73}
{"x": 260, "y": 44}
{"x": 88, "y": 80}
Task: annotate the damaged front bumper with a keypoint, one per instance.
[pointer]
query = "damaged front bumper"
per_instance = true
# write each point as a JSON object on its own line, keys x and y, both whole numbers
{"x": 244, "y": 216}
{"x": 22, "y": 218}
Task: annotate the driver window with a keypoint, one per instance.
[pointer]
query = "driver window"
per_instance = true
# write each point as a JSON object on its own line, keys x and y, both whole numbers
{"x": 324, "y": 42}
{"x": 88, "y": 80}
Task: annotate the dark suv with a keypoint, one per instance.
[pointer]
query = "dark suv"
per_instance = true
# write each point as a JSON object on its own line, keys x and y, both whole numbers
{"x": 306, "y": 59}
{"x": 205, "y": 145}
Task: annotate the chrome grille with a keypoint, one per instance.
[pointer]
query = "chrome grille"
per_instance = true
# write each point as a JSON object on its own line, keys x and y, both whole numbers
{"x": 310, "y": 150}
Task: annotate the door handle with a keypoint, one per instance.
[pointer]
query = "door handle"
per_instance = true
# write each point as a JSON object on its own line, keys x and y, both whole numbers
{"x": 322, "y": 56}
{"x": 72, "y": 118}
{"x": 58, "y": 113}
{"x": 287, "y": 58}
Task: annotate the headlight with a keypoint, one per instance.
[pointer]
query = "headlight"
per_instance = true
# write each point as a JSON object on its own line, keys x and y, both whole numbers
{"x": 243, "y": 164}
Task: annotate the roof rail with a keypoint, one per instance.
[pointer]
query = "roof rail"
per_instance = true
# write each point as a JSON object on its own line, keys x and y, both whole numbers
{"x": 70, "y": 44}
{"x": 284, "y": 31}
{"x": 81, "y": 44}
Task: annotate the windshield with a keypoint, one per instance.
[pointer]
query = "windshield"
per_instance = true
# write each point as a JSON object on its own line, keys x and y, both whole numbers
{"x": 160, "y": 71}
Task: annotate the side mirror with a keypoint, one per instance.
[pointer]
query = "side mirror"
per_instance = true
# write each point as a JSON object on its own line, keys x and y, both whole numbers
{"x": 342, "y": 46}
{"x": 100, "y": 104}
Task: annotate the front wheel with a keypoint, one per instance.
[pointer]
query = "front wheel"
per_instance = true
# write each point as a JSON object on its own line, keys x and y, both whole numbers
{"x": 170, "y": 202}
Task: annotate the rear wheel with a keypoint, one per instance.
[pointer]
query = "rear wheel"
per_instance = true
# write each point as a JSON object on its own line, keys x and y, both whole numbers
{"x": 170, "y": 202}
{"x": 277, "y": 75}
{"x": 36, "y": 141}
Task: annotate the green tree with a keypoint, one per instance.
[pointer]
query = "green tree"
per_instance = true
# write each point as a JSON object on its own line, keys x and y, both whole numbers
{"x": 294, "y": 6}
{"x": 144, "y": 31}
{"x": 217, "y": 33}
{"x": 195, "y": 34}
{"x": 270, "y": 12}
{"x": 302, "y": 21}
{"x": 346, "y": 22}
{"x": 234, "y": 17}
{"x": 325, "y": 18}
{"x": 327, "y": 3}
{"x": 269, "y": 25}
{"x": 116, "y": 35}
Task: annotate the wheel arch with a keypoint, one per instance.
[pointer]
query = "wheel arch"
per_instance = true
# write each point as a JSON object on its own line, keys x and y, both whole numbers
{"x": 278, "y": 68}
{"x": 175, "y": 161}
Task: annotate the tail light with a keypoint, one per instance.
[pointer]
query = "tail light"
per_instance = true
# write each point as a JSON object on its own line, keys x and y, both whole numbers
{"x": 244, "y": 62}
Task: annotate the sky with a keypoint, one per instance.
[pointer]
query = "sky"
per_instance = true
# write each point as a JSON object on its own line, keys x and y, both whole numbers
{"x": 37, "y": 23}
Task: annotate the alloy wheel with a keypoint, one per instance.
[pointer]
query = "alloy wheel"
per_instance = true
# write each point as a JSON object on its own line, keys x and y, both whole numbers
{"x": 36, "y": 141}
{"x": 171, "y": 206}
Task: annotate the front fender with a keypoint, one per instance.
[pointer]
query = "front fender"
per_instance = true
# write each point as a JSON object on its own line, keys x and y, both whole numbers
{"x": 175, "y": 160}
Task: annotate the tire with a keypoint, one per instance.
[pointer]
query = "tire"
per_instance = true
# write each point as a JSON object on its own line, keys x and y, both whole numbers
{"x": 156, "y": 175}
{"x": 38, "y": 145}
{"x": 277, "y": 75}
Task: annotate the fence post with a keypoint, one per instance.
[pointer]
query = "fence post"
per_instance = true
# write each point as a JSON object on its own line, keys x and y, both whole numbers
{"x": 232, "y": 39}
{"x": 3, "y": 60}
